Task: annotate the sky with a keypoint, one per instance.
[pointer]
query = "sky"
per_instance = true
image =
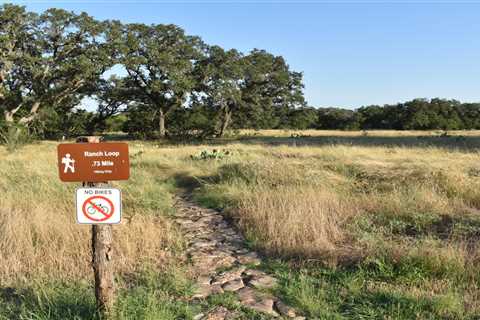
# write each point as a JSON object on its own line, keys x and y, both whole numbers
{"x": 352, "y": 53}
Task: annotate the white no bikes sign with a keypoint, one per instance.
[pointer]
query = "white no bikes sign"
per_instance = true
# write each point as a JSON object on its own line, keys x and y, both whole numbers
{"x": 98, "y": 205}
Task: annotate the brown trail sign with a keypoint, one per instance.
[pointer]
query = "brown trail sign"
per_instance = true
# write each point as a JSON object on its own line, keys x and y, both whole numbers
{"x": 93, "y": 162}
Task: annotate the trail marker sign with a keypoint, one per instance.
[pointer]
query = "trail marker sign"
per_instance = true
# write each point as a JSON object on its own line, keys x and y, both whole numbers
{"x": 98, "y": 205}
{"x": 93, "y": 162}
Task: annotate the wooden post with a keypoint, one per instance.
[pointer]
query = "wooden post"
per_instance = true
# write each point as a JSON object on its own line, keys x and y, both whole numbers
{"x": 102, "y": 256}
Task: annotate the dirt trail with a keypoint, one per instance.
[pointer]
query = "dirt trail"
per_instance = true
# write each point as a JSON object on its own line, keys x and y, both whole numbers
{"x": 212, "y": 245}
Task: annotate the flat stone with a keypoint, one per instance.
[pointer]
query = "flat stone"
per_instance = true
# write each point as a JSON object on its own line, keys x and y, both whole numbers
{"x": 246, "y": 295}
{"x": 198, "y": 316}
{"x": 228, "y": 275}
{"x": 204, "y": 279}
{"x": 285, "y": 310}
{"x": 224, "y": 262}
{"x": 233, "y": 285}
{"x": 211, "y": 219}
{"x": 263, "y": 282}
{"x": 204, "y": 290}
{"x": 219, "y": 313}
{"x": 264, "y": 305}
{"x": 227, "y": 247}
{"x": 254, "y": 272}
{"x": 216, "y": 289}
{"x": 204, "y": 244}
{"x": 249, "y": 258}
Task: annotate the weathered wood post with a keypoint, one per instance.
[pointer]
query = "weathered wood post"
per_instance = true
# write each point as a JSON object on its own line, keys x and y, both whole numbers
{"x": 102, "y": 256}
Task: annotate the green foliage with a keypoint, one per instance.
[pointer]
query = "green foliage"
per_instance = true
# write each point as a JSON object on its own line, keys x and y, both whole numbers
{"x": 421, "y": 114}
{"x": 57, "y": 55}
{"x": 115, "y": 123}
{"x": 52, "y": 124}
{"x": 270, "y": 91}
{"x": 140, "y": 124}
{"x": 219, "y": 75}
{"x": 159, "y": 63}
{"x": 191, "y": 123}
{"x": 335, "y": 118}
{"x": 302, "y": 118}
{"x": 208, "y": 155}
{"x": 14, "y": 136}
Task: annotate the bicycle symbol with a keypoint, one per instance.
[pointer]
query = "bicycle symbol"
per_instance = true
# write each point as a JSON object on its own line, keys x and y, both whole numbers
{"x": 95, "y": 207}
{"x": 98, "y": 208}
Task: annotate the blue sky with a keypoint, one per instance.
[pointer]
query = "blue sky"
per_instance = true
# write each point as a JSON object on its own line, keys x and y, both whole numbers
{"x": 352, "y": 53}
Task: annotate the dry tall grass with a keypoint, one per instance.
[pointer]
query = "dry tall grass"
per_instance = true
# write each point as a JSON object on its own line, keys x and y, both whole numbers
{"x": 39, "y": 236}
{"x": 296, "y": 221}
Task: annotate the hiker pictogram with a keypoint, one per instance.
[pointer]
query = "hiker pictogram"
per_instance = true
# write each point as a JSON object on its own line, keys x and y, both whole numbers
{"x": 69, "y": 163}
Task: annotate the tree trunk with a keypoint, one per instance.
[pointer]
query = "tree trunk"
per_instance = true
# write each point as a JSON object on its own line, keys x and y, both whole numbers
{"x": 161, "y": 124}
{"x": 227, "y": 116}
{"x": 10, "y": 113}
{"x": 8, "y": 117}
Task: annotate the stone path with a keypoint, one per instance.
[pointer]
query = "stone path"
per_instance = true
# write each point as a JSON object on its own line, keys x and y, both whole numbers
{"x": 212, "y": 245}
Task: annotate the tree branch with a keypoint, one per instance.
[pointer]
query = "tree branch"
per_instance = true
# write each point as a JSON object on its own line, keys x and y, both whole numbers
{"x": 32, "y": 115}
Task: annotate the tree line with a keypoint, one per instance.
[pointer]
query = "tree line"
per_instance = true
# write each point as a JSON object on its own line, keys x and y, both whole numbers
{"x": 417, "y": 114}
{"x": 165, "y": 82}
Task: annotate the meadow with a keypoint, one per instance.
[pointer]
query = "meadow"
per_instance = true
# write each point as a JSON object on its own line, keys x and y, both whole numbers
{"x": 356, "y": 225}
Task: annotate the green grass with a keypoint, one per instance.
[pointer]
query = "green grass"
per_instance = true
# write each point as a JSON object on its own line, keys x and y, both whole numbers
{"x": 48, "y": 300}
{"x": 149, "y": 295}
{"x": 370, "y": 291}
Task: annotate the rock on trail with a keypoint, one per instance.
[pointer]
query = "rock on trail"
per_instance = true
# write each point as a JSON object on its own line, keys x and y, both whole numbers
{"x": 212, "y": 245}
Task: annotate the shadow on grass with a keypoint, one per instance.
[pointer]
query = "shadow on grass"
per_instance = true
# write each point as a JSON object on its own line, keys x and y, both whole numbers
{"x": 420, "y": 141}
{"x": 187, "y": 183}
{"x": 449, "y": 142}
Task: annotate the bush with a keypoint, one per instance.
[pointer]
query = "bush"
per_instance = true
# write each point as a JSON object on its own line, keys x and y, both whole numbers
{"x": 214, "y": 154}
{"x": 14, "y": 136}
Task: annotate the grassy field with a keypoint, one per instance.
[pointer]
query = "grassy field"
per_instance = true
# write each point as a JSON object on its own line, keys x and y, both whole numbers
{"x": 357, "y": 225}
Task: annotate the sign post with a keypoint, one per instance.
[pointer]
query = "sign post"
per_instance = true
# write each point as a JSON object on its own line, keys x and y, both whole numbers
{"x": 102, "y": 239}
{"x": 94, "y": 163}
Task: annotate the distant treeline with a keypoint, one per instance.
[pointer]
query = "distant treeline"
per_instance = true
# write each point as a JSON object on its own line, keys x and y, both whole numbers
{"x": 166, "y": 83}
{"x": 418, "y": 114}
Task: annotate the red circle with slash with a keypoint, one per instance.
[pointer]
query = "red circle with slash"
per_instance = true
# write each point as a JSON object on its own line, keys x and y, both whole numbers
{"x": 104, "y": 207}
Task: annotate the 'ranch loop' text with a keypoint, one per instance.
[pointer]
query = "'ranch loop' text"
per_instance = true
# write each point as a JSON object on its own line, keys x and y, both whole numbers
{"x": 101, "y": 154}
